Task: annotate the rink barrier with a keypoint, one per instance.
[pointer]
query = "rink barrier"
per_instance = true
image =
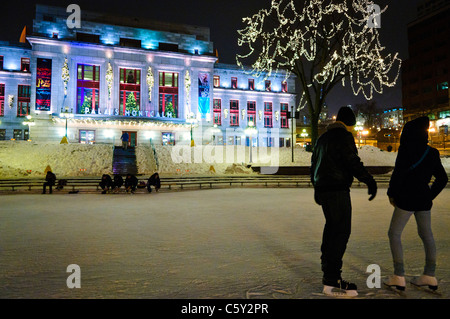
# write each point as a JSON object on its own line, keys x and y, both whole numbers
{"x": 90, "y": 185}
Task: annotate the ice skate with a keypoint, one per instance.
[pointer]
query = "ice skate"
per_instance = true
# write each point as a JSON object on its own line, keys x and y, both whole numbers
{"x": 426, "y": 282}
{"x": 396, "y": 282}
{"x": 339, "y": 288}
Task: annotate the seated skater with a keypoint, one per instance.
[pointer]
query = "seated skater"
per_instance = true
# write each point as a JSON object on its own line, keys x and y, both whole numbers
{"x": 154, "y": 181}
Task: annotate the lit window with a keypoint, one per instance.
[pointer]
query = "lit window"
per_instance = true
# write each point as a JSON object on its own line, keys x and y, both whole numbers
{"x": 25, "y": 64}
{"x": 251, "y": 84}
{"x": 216, "y": 81}
{"x": 234, "y": 83}
{"x": 268, "y": 117}
{"x": 217, "y": 110}
{"x": 234, "y": 113}
{"x": 87, "y": 137}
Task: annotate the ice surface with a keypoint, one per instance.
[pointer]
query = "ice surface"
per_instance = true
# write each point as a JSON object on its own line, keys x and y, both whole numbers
{"x": 219, "y": 243}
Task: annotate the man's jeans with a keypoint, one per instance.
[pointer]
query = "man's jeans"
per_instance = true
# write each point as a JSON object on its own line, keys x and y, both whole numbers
{"x": 337, "y": 209}
{"x": 399, "y": 220}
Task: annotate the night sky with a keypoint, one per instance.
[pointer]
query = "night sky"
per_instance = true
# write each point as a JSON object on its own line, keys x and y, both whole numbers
{"x": 223, "y": 18}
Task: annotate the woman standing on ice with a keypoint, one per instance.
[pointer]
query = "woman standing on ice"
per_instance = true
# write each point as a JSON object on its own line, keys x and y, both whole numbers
{"x": 409, "y": 192}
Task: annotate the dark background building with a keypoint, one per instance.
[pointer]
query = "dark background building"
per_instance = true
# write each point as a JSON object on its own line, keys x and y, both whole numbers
{"x": 425, "y": 75}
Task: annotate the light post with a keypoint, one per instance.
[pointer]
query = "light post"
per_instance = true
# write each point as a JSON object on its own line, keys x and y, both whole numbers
{"x": 29, "y": 122}
{"x": 304, "y": 135}
{"x": 251, "y": 130}
{"x": 358, "y": 129}
{"x": 365, "y": 133}
{"x": 191, "y": 120}
{"x": 215, "y": 130}
{"x": 66, "y": 115}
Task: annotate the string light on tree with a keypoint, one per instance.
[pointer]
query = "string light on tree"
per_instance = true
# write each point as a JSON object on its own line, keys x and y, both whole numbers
{"x": 322, "y": 42}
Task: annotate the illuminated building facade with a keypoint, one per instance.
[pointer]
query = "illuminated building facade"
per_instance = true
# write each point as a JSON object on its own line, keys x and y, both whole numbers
{"x": 156, "y": 81}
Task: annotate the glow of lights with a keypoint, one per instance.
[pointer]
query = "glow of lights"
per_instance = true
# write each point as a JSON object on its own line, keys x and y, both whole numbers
{"x": 187, "y": 88}
{"x": 150, "y": 82}
{"x": 109, "y": 79}
{"x": 65, "y": 75}
{"x": 330, "y": 38}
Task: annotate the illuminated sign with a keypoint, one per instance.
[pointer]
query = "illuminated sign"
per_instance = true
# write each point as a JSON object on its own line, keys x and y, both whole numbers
{"x": 203, "y": 94}
{"x": 43, "y": 84}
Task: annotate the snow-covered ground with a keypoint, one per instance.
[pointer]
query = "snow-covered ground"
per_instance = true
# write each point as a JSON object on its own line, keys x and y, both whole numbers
{"x": 219, "y": 243}
{"x": 21, "y": 158}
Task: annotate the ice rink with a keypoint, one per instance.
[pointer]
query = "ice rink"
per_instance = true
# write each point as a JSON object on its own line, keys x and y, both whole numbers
{"x": 219, "y": 243}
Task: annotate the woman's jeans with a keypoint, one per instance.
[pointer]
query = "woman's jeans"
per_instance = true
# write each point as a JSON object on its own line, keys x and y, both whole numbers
{"x": 399, "y": 220}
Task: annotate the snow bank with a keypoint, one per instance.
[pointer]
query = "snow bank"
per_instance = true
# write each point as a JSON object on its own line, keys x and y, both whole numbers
{"x": 22, "y": 158}
{"x": 199, "y": 159}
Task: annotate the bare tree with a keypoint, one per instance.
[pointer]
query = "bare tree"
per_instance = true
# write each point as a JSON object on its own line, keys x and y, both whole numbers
{"x": 324, "y": 43}
{"x": 369, "y": 111}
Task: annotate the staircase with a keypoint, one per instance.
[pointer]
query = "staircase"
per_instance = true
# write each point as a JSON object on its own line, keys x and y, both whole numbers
{"x": 124, "y": 161}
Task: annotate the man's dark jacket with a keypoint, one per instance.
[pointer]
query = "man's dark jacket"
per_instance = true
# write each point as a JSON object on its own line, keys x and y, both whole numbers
{"x": 335, "y": 161}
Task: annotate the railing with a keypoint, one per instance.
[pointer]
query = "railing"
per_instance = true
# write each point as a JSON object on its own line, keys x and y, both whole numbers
{"x": 90, "y": 185}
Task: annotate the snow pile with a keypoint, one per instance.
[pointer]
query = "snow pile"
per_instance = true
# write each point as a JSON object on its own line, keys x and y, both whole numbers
{"x": 22, "y": 158}
{"x": 184, "y": 159}
{"x": 373, "y": 156}
{"x": 238, "y": 169}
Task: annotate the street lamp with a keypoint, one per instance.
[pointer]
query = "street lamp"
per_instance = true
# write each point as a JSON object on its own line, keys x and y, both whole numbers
{"x": 66, "y": 115}
{"x": 29, "y": 122}
{"x": 251, "y": 130}
{"x": 358, "y": 129}
{"x": 215, "y": 130}
{"x": 304, "y": 135}
{"x": 191, "y": 119}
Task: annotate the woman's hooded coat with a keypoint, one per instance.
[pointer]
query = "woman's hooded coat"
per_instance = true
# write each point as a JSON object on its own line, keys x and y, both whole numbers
{"x": 416, "y": 163}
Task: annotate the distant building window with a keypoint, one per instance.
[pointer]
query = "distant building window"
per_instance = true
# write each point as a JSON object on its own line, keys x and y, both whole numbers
{"x": 283, "y": 115}
{"x": 234, "y": 113}
{"x": 217, "y": 110}
{"x": 2, "y": 99}
{"x": 168, "y": 138}
{"x": 17, "y": 134}
{"x": 168, "y": 47}
{"x": 251, "y": 84}
{"x": 87, "y": 37}
{"x": 87, "y": 137}
{"x": 268, "y": 85}
{"x": 251, "y": 112}
{"x": 442, "y": 86}
{"x": 216, "y": 81}
{"x": 2, "y": 134}
{"x": 23, "y": 103}
{"x": 168, "y": 94}
{"x": 88, "y": 85}
{"x": 130, "y": 91}
{"x": 25, "y": 64}
{"x": 234, "y": 83}
{"x": 268, "y": 114}
{"x": 284, "y": 87}
{"x": 130, "y": 43}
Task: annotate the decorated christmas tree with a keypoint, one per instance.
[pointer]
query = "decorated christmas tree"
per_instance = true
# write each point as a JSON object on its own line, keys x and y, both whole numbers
{"x": 131, "y": 104}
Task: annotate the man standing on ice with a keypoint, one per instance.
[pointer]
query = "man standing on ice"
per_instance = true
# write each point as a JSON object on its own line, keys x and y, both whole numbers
{"x": 334, "y": 163}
